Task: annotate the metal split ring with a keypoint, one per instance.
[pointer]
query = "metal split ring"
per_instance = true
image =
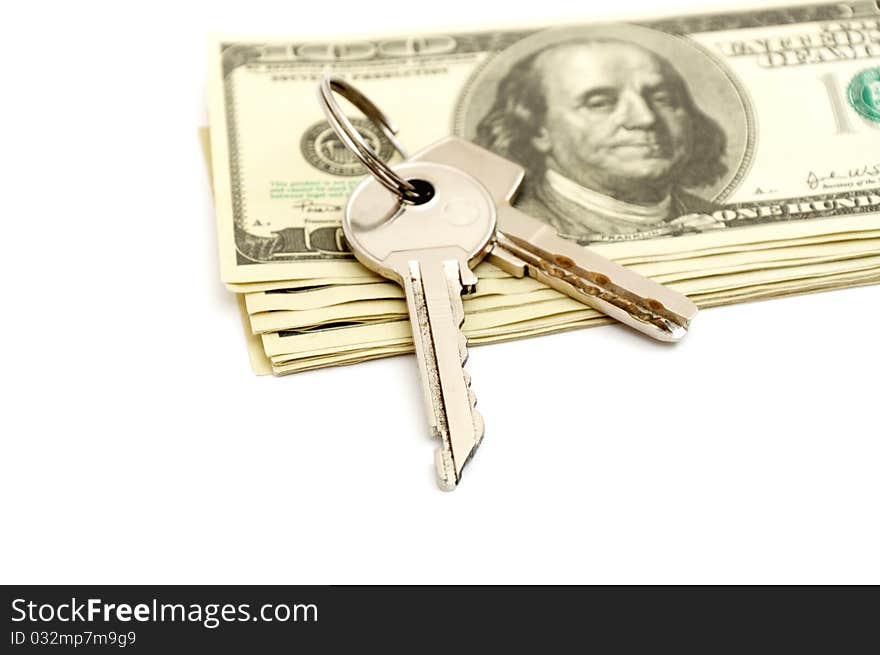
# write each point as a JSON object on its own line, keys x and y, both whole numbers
{"x": 353, "y": 140}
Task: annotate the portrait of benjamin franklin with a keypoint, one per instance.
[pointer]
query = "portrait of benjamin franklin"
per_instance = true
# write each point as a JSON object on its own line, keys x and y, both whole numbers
{"x": 611, "y": 138}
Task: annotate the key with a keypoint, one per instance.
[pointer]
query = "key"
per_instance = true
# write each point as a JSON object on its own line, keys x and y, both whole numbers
{"x": 430, "y": 248}
{"x": 525, "y": 245}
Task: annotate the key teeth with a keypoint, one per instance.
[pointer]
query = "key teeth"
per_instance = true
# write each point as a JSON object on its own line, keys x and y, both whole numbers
{"x": 458, "y": 318}
{"x": 479, "y": 425}
{"x": 472, "y": 399}
{"x": 458, "y": 315}
{"x": 449, "y": 469}
{"x": 447, "y": 479}
{"x": 476, "y": 417}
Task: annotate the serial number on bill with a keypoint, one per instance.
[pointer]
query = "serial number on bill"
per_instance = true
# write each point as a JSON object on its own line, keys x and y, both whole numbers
{"x": 74, "y": 639}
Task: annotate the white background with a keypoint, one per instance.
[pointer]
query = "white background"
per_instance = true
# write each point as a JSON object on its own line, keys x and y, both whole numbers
{"x": 137, "y": 446}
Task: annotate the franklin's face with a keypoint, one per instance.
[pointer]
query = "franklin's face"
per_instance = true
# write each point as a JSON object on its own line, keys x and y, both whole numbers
{"x": 615, "y": 119}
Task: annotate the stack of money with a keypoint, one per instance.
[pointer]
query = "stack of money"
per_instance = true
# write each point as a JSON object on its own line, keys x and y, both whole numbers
{"x": 732, "y": 157}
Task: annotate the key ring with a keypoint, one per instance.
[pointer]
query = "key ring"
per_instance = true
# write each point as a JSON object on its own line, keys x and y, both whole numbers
{"x": 352, "y": 139}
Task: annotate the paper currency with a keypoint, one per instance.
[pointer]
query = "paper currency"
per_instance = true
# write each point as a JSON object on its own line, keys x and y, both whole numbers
{"x": 737, "y": 157}
{"x": 770, "y": 137}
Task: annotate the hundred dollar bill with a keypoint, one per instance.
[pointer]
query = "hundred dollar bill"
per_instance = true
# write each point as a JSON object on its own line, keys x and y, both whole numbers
{"x": 333, "y": 305}
{"x": 643, "y": 140}
{"x": 493, "y": 321}
{"x": 285, "y": 364}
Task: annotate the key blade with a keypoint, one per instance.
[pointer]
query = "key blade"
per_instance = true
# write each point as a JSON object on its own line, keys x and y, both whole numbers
{"x": 526, "y": 245}
{"x": 433, "y": 289}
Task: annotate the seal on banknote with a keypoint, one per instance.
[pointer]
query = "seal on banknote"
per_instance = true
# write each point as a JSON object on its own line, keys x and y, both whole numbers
{"x": 322, "y": 148}
{"x": 863, "y": 93}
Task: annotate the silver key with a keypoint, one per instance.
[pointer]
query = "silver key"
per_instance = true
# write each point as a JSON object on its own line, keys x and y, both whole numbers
{"x": 528, "y": 246}
{"x": 429, "y": 249}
